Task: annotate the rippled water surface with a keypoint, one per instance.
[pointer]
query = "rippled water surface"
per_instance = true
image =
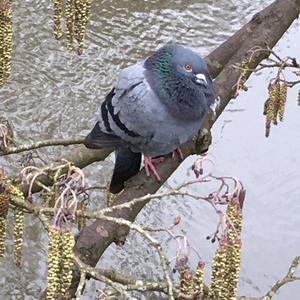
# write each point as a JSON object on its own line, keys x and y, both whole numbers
{"x": 52, "y": 93}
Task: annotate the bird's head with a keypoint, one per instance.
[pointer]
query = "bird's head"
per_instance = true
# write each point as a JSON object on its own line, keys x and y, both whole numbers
{"x": 178, "y": 61}
{"x": 180, "y": 76}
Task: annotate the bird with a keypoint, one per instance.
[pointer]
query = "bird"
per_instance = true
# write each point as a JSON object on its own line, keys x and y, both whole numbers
{"x": 156, "y": 105}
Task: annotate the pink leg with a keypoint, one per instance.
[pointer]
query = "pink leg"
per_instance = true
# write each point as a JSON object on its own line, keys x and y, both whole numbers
{"x": 178, "y": 152}
{"x": 149, "y": 166}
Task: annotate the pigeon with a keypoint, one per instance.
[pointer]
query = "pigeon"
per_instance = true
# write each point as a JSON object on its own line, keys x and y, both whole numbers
{"x": 156, "y": 105}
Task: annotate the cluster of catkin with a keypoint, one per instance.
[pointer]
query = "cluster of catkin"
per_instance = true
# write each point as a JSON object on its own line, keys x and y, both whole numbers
{"x": 226, "y": 261}
{"x": 192, "y": 285}
{"x": 275, "y": 104}
{"x": 76, "y": 14}
{"x": 244, "y": 72}
{"x": 12, "y": 191}
{"x": 4, "y": 205}
{"x": 5, "y": 40}
{"x": 60, "y": 262}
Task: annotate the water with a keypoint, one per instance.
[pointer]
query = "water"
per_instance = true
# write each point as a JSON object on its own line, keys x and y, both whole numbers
{"x": 56, "y": 94}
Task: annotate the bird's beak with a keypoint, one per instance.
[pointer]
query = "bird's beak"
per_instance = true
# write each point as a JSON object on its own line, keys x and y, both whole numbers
{"x": 200, "y": 78}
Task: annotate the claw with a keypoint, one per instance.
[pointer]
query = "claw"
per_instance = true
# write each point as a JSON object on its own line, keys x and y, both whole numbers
{"x": 149, "y": 166}
{"x": 178, "y": 152}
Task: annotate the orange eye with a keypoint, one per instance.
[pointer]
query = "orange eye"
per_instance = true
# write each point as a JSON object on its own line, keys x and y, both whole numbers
{"x": 188, "y": 67}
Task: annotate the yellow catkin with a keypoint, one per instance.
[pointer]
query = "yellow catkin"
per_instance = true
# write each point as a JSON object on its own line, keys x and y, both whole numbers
{"x": 54, "y": 264}
{"x": 268, "y": 115}
{"x": 82, "y": 10}
{"x": 18, "y": 234}
{"x": 76, "y": 15}
{"x": 70, "y": 9}
{"x": 243, "y": 76}
{"x": 282, "y": 100}
{"x": 57, "y": 18}
{"x": 18, "y": 223}
{"x": 272, "y": 106}
{"x": 5, "y": 39}
{"x": 226, "y": 262}
{"x": 4, "y": 205}
{"x": 270, "y": 109}
{"x": 233, "y": 271}
{"x": 216, "y": 290}
{"x": 233, "y": 233}
{"x": 186, "y": 282}
{"x": 274, "y": 95}
{"x": 3, "y": 228}
{"x": 67, "y": 261}
{"x": 234, "y": 214}
{"x": 198, "y": 283}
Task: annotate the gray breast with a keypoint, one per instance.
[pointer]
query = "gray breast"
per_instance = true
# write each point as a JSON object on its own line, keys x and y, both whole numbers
{"x": 159, "y": 131}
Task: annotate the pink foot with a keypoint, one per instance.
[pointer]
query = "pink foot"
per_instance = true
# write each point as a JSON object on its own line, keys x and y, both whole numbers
{"x": 149, "y": 166}
{"x": 178, "y": 152}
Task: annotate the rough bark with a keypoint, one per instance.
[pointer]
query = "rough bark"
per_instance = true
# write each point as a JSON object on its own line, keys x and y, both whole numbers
{"x": 266, "y": 27}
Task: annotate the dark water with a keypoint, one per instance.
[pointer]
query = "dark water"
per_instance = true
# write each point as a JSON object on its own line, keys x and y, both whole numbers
{"x": 55, "y": 94}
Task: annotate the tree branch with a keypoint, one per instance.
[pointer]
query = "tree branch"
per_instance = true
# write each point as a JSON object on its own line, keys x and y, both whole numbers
{"x": 129, "y": 284}
{"x": 41, "y": 144}
{"x": 289, "y": 277}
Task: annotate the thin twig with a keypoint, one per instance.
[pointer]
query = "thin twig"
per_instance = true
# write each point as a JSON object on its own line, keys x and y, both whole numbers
{"x": 117, "y": 286}
{"x": 81, "y": 283}
{"x": 130, "y": 284}
{"x": 41, "y": 144}
{"x": 289, "y": 277}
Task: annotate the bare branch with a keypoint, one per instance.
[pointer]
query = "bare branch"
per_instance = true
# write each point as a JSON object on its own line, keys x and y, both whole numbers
{"x": 41, "y": 144}
{"x": 128, "y": 283}
{"x": 115, "y": 285}
{"x": 289, "y": 277}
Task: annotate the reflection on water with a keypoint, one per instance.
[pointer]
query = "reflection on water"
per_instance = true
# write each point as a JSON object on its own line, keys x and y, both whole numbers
{"x": 56, "y": 94}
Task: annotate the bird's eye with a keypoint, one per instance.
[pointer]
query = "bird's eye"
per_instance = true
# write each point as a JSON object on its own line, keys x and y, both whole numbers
{"x": 188, "y": 67}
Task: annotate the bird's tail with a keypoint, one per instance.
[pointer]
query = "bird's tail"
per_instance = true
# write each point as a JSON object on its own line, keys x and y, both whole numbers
{"x": 97, "y": 139}
{"x": 126, "y": 166}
